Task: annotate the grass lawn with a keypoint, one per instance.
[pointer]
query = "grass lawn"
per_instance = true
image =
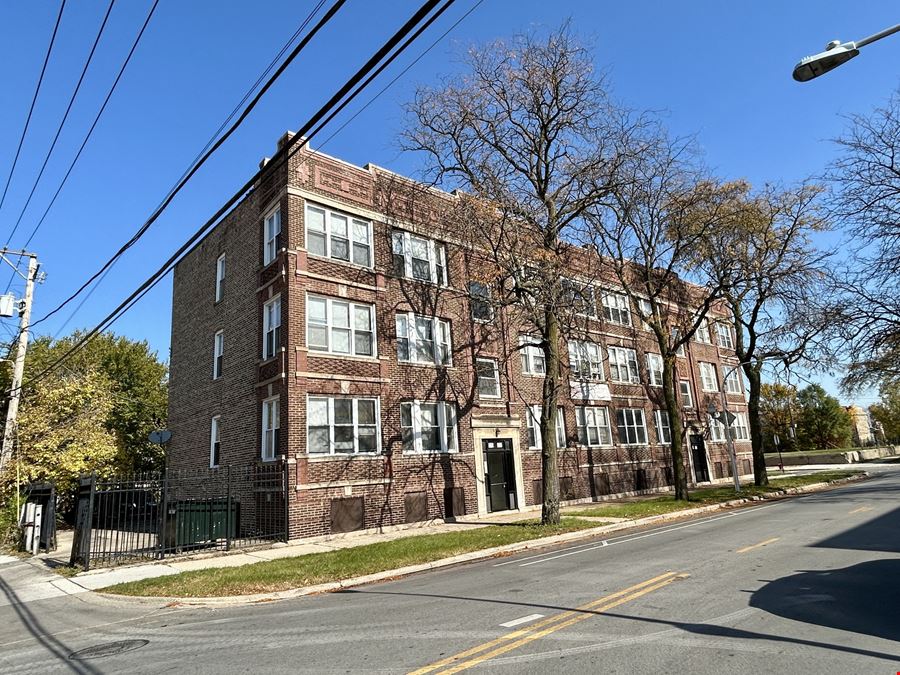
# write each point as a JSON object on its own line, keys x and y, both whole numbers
{"x": 653, "y": 506}
{"x": 319, "y": 568}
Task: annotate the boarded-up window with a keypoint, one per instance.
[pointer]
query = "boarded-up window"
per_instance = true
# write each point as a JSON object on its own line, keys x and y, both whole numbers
{"x": 347, "y": 514}
{"x": 537, "y": 491}
{"x": 640, "y": 479}
{"x": 454, "y": 502}
{"x": 415, "y": 506}
{"x": 718, "y": 469}
{"x": 601, "y": 483}
{"x": 747, "y": 468}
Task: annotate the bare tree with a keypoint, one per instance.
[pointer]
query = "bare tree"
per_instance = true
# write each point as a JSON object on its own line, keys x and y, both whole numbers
{"x": 775, "y": 283}
{"x": 866, "y": 182}
{"x": 530, "y": 134}
{"x": 647, "y": 231}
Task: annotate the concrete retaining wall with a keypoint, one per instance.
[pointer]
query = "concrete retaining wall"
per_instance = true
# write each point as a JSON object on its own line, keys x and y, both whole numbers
{"x": 851, "y": 457}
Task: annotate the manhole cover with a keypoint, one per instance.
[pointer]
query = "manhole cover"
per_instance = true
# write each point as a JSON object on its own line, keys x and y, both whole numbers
{"x": 108, "y": 649}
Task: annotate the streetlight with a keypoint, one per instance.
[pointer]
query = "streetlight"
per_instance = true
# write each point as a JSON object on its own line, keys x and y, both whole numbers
{"x": 836, "y": 53}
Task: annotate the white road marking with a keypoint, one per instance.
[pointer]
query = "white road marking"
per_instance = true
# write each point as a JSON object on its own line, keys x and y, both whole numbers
{"x": 524, "y": 619}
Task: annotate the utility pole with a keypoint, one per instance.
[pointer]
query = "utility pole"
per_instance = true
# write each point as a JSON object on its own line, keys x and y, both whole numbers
{"x": 15, "y": 392}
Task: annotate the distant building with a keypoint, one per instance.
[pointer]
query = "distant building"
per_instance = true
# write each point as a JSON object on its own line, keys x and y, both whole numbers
{"x": 314, "y": 327}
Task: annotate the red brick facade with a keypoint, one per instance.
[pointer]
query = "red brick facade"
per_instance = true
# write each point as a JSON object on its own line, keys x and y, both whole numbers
{"x": 395, "y": 486}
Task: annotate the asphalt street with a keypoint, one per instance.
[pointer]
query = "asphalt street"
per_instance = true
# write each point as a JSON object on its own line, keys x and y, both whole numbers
{"x": 802, "y": 585}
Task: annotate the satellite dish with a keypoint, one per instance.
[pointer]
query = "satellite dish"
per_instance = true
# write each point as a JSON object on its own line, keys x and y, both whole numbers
{"x": 160, "y": 436}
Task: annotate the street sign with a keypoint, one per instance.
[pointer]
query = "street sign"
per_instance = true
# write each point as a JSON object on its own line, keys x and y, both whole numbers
{"x": 160, "y": 436}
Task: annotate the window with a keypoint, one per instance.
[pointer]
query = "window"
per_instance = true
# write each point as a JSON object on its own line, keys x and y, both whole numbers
{"x": 585, "y": 360}
{"x": 687, "y": 399}
{"x": 716, "y": 430}
{"x": 655, "y": 369}
{"x": 488, "y": 378}
{"x": 593, "y": 426}
{"x": 340, "y": 327}
{"x": 709, "y": 379}
{"x": 724, "y": 337}
{"x": 623, "y": 365}
{"x": 428, "y": 427}
{"x": 580, "y": 296}
{"x": 702, "y": 333}
{"x": 218, "y": 354}
{"x": 646, "y": 309}
{"x": 215, "y": 442}
{"x": 271, "y": 423}
{"x": 616, "y": 309}
{"x": 533, "y": 419}
{"x": 272, "y": 327}
{"x": 663, "y": 428}
{"x": 419, "y": 258}
{"x": 341, "y": 426}
{"x": 480, "y": 299}
{"x": 338, "y": 236}
{"x": 271, "y": 236}
{"x": 631, "y": 426}
{"x": 676, "y": 336}
{"x": 220, "y": 277}
{"x": 733, "y": 381}
{"x": 423, "y": 339}
{"x": 533, "y": 361}
{"x": 740, "y": 430}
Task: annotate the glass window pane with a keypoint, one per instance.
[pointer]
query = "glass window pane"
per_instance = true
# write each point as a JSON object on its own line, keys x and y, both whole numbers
{"x": 419, "y": 247}
{"x": 317, "y": 412}
{"x": 318, "y": 337}
{"x": 340, "y": 248}
{"x": 421, "y": 269}
{"x": 316, "y": 243}
{"x": 315, "y": 219}
{"x": 367, "y": 439}
{"x": 317, "y": 310}
{"x": 429, "y": 414}
{"x": 361, "y": 231}
{"x": 361, "y": 254}
{"x": 365, "y": 410}
{"x": 340, "y": 340}
{"x": 431, "y": 440}
{"x": 343, "y": 439}
{"x": 340, "y": 314}
{"x": 343, "y": 413}
{"x": 362, "y": 344}
{"x": 338, "y": 225}
{"x": 362, "y": 317}
{"x": 318, "y": 439}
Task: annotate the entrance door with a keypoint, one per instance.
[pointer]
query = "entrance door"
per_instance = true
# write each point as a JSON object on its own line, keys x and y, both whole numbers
{"x": 499, "y": 474}
{"x": 698, "y": 454}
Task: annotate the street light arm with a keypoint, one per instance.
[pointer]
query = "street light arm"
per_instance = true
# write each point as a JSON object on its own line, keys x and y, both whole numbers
{"x": 882, "y": 34}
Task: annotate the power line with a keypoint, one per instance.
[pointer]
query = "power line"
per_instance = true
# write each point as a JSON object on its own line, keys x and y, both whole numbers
{"x": 278, "y": 160}
{"x": 62, "y": 123}
{"x": 211, "y": 140}
{"x": 93, "y": 126}
{"x": 37, "y": 90}
{"x": 196, "y": 166}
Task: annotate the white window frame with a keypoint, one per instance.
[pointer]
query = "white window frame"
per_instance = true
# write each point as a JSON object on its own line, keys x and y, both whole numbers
{"x": 724, "y": 336}
{"x": 615, "y": 307}
{"x": 687, "y": 396}
{"x": 585, "y": 353}
{"x": 532, "y": 355}
{"x": 533, "y": 426}
{"x": 220, "y": 277}
{"x": 401, "y": 245}
{"x": 645, "y": 307}
{"x": 271, "y": 426}
{"x": 352, "y": 330}
{"x": 740, "y": 430}
{"x": 733, "y": 382}
{"x": 709, "y": 377}
{"x": 655, "y": 369}
{"x": 272, "y": 324}
{"x": 631, "y": 419}
{"x": 582, "y": 294}
{"x": 623, "y": 357}
{"x": 495, "y": 379}
{"x": 218, "y": 354}
{"x": 702, "y": 333}
{"x": 716, "y": 430}
{"x": 271, "y": 235}
{"x": 442, "y": 339}
{"x": 355, "y": 424}
{"x": 596, "y": 419}
{"x": 480, "y": 295}
{"x": 663, "y": 431}
{"x": 446, "y": 425}
{"x": 358, "y": 237}
{"x": 215, "y": 437}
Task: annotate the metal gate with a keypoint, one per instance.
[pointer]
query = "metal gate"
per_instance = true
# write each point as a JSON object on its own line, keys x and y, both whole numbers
{"x": 38, "y": 518}
{"x": 124, "y": 519}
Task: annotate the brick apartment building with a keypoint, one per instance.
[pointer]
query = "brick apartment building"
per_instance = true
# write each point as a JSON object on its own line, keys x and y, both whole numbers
{"x": 316, "y": 327}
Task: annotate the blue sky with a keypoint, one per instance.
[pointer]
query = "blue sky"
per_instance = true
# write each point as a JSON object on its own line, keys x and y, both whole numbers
{"x": 718, "y": 70}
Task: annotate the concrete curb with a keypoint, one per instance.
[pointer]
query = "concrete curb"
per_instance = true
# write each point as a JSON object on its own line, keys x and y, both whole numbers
{"x": 483, "y": 554}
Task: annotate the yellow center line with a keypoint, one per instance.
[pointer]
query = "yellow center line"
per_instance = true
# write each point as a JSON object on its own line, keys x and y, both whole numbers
{"x": 861, "y": 509}
{"x": 760, "y": 544}
{"x": 549, "y": 625}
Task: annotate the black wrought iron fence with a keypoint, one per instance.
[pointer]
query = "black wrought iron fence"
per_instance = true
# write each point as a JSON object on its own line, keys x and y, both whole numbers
{"x": 125, "y": 519}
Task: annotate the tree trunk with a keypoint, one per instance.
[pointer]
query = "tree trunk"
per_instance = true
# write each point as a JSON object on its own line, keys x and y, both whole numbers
{"x": 549, "y": 451}
{"x": 760, "y": 475}
{"x": 679, "y": 475}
